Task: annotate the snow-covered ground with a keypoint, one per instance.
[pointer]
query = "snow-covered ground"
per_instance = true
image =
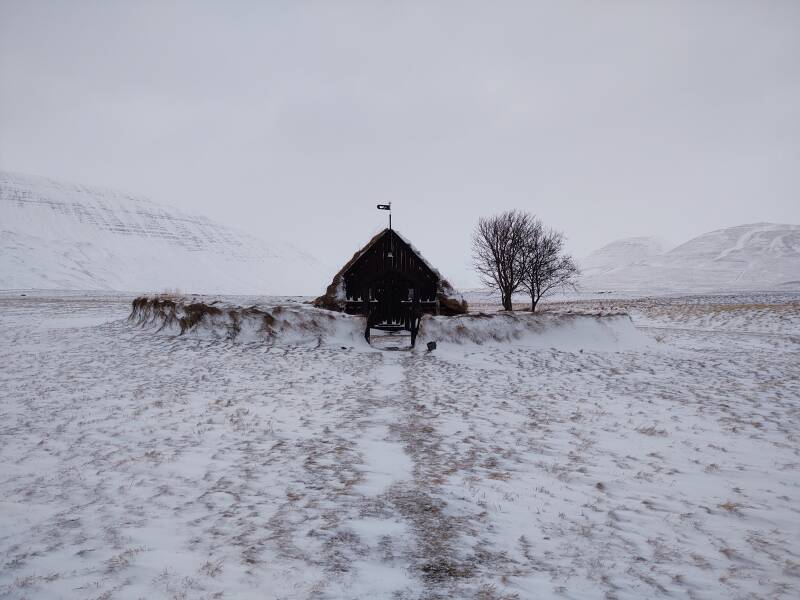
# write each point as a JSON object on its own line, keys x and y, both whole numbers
{"x": 139, "y": 464}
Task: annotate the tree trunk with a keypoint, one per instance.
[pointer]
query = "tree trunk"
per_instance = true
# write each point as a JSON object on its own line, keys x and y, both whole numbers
{"x": 507, "y": 305}
{"x": 506, "y": 300}
{"x": 533, "y": 303}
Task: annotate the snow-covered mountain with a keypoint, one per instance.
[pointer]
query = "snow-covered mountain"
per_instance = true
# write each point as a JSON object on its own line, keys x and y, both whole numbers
{"x": 57, "y": 235}
{"x": 759, "y": 256}
{"x": 620, "y": 254}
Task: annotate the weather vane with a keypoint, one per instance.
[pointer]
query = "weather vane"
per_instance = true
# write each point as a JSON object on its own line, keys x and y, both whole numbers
{"x": 389, "y": 208}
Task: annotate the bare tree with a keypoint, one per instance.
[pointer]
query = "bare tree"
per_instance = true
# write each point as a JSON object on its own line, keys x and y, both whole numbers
{"x": 498, "y": 244}
{"x": 543, "y": 262}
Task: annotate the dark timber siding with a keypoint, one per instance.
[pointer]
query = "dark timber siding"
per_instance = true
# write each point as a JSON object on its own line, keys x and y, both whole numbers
{"x": 390, "y": 284}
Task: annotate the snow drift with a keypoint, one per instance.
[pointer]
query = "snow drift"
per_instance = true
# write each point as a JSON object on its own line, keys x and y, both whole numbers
{"x": 565, "y": 332}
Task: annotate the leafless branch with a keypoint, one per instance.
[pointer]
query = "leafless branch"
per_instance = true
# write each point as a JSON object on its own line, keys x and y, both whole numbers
{"x": 545, "y": 265}
{"x": 498, "y": 244}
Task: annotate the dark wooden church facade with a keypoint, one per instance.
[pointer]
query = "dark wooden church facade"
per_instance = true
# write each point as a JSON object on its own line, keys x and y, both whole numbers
{"x": 389, "y": 283}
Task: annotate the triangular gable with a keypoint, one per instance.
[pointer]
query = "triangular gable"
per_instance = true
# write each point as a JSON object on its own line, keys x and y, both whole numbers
{"x": 386, "y": 240}
{"x": 335, "y": 297}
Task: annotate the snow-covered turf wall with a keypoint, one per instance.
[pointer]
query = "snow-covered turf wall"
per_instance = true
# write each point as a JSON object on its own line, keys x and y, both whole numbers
{"x": 565, "y": 332}
{"x": 299, "y": 324}
{"x": 295, "y": 324}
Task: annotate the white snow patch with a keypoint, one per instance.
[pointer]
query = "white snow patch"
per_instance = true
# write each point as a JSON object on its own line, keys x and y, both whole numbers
{"x": 385, "y": 462}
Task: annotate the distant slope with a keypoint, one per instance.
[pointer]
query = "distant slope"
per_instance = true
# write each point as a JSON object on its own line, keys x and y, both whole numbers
{"x": 57, "y": 235}
{"x": 622, "y": 253}
{"x": 759, "y": 256}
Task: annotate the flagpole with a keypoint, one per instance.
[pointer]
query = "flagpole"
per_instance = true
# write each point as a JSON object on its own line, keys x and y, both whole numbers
{"x": 389, "y": 208}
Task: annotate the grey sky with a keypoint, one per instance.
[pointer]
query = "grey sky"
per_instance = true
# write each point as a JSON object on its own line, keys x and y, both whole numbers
{"x": 294, "y": 119}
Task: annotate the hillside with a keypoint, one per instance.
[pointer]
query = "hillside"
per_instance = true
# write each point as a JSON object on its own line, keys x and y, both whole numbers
{"x": 759, "y": 256}
{"x": 622, "y": 253}
{"x": 57, "y": 235}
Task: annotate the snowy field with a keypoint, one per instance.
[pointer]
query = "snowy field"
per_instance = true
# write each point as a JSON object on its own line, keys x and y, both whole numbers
{"x": 136, "y": 464}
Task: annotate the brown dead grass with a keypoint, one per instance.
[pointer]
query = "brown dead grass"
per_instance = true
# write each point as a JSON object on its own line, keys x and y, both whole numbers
{"x": 196, "y": 313}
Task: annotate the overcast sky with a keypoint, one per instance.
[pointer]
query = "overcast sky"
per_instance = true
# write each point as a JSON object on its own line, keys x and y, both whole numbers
{"x": 293, "y": 119}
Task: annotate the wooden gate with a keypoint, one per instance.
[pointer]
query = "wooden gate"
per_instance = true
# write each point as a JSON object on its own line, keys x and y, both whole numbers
{"x": 393, "y": 303}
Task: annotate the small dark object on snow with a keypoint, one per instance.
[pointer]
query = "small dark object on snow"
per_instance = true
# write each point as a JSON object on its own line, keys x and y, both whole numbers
{"x": 431, "y": 346}
{"x": 23, "y": 294}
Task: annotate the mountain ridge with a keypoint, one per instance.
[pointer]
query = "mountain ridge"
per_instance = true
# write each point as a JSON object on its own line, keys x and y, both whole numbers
{"x": 58, "y": 235}
{"x": 752, "y": 256}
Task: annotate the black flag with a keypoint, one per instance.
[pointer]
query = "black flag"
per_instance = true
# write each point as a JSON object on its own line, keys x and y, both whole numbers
{"x": 384, "y": 207}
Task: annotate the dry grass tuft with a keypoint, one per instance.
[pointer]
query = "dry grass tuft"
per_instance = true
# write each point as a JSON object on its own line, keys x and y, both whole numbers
{"x": 441, "y": 569}
{"x": 731, "y": 507}
{"x": 195, "y": 313}
{"x": 652, "y": 431}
